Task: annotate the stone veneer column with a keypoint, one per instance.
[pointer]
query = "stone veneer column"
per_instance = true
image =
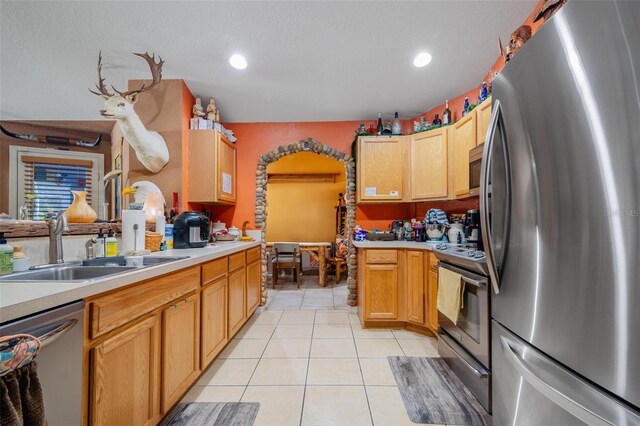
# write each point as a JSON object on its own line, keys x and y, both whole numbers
{"x": 307, "y": 145}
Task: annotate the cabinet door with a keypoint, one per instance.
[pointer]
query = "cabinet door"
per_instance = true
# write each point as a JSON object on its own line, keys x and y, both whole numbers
{"x": 202, "y": 173}
{"x": 428, "y": 158}
{"x": 432, "y": 299}
{"x": 226, "y": 170}
{"x": 415, "y": 275}
{"x": 381, "y": 291}
{"x": 214, "y": 320}
{"x": 483, "y": 116}
{"x": 380, "y": 169}
{"x": 464, "y": 139}
{"x": 253, "y": 287}
{"x": 237, "y": 313}
{"x": 124, "y": 377}
{"x": 180, "y": 348}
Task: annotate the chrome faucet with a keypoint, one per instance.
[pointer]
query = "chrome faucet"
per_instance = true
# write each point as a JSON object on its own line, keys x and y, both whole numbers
{"x": 57, "y": 225}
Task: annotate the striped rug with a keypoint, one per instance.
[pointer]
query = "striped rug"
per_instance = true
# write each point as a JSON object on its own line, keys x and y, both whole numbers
{"x": 432, "y": 394}
{"x": 213, "y": 414}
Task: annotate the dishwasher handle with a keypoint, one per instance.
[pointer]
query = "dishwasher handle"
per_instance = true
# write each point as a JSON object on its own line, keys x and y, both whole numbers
{"x": 59, "y": 329}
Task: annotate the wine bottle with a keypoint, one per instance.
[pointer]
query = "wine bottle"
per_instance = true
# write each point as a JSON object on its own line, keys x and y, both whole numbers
{"x": 396, "y": 129}
{"x": 446, "y": 116}
{"x": 379, "y": 126}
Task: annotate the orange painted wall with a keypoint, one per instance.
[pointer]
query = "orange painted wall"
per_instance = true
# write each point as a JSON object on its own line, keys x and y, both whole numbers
{"x": 187, "y": 103}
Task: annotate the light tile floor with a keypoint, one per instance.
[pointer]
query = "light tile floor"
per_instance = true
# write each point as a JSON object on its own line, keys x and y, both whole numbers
{"x": 312, "y": 366}
{"x": 309, "y": 296}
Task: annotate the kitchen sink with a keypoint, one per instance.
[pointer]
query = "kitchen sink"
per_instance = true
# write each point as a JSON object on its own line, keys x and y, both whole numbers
{"x": 67, "y": 273}
{"x": 121, "y": 260}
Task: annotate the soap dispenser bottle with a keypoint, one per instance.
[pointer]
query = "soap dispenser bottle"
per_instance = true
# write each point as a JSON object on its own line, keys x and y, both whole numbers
{"x": 100, "y": 246}
{"x": 111, "y": 245}
{"x": 6, "y": 256}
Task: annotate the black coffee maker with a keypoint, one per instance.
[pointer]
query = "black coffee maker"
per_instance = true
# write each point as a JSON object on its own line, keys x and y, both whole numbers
{"x": 472, "y": 230}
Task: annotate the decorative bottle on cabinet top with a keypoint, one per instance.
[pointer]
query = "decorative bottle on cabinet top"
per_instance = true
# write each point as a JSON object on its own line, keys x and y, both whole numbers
{"x": 396, "y": 128}
{"x": 446, "y": 116}
{"x": 379, "y": 127}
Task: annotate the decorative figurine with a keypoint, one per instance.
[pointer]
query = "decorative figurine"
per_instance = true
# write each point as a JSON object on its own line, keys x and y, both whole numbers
{"x": 424, "y": 124}
{"x": 518, "y": 38}
{"x": 212, "y": 111}
{"x": 465, "y": 110}
{"x": 483, "y": 93}
{"x": 416, "y": 127}
{"x": 548, "y": 9}
{"x": 198, "y": 111}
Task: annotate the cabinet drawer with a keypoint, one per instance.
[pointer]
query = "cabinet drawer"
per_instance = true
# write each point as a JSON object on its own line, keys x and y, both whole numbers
{"x": 382, "y": 256}
{"x": 111, "y": 311}
{"x": 213, "y": 270}
{"x": 253, "y": 255}
{"x": 236, "y": 261}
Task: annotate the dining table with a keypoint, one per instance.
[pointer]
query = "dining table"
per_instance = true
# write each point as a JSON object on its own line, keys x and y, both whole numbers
{"x": 317, "y": 251}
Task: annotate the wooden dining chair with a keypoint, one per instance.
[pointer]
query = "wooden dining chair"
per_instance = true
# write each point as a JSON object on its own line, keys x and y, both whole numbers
{"x": 336, "y": 264}
{"x": 286, "y": 256}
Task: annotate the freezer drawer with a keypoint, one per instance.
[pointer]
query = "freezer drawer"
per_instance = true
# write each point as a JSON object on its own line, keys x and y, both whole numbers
{"x": 531, "y": 389}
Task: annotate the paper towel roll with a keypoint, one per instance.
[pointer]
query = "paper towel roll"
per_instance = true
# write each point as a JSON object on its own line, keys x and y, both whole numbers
{"x": 160, "y": 223}
{"x": 133, "y": 240}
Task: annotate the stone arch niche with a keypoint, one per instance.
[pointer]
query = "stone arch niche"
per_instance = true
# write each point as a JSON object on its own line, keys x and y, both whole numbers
{"x": 307, "y": 145}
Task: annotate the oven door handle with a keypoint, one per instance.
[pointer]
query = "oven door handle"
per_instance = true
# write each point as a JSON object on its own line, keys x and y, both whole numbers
{"x": 473, "y": 282}
{"x": 481, "y": 282}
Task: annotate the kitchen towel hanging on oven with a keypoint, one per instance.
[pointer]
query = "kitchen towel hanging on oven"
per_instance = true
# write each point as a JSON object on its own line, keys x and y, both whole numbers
{"x": 20, "y": 391}
{"x": 449, "y": 293}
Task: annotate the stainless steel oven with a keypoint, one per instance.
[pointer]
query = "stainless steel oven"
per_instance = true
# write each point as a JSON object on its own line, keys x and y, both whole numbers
{"x": 475, "y": 161}
{"x": 465, "y": 344}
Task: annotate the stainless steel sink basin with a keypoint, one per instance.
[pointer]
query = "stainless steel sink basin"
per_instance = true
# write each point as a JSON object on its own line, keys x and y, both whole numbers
{"x": 155, "y": 260}
{"x": 67, "y": 273}
{"x": 121, "y": 260}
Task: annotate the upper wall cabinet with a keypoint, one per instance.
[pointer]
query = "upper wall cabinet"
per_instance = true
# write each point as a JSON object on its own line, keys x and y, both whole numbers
{"x": 212, "y": 168}
{"x": 381, "y": 168}
{"x": 428, "y": 161}
{"x": 483, "y": 116}
{"x": 463, "y": 138}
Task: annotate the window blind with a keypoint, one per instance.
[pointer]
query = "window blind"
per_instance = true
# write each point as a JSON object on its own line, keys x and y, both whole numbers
{"x": 48, "y": 182}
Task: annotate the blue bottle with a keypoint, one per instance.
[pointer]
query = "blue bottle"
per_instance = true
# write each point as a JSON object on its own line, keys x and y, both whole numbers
{"x": 466, "y": 107}
{"x": 483, "y": 92}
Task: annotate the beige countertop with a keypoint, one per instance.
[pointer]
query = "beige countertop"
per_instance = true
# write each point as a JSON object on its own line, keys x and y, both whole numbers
{"x": 429, "y": 245}
{"x": 19, "y": 299}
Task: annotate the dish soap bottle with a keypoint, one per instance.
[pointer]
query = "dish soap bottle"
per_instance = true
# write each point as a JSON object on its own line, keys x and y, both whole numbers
{"x": 6, "y": 256}
{"x": 100, "y": 247}
{"x": 111, "y": 245}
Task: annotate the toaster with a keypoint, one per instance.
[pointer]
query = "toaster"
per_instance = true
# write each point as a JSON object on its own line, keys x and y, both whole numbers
{"x": 190, "y": 230}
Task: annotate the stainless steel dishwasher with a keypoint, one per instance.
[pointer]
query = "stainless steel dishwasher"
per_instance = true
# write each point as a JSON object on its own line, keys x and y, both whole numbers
{"x": 59, "y": 361}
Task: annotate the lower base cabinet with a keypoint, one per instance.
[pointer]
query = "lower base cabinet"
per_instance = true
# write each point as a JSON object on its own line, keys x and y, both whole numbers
{"x": 125, "y": 384}
{"x": 147, "y": 343}
{"x": 237, "y": 308}
{"x": 180, "y": 348}
{"x": 398, "y": 286}
{"x": 214, "y": 320}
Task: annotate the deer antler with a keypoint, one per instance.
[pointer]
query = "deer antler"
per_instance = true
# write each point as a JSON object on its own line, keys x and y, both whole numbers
{"x": 100, "y": 85}
{"x": 156, "y": 73}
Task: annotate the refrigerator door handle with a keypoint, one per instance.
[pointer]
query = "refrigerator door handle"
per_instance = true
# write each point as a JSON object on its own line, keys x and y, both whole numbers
{"x": 495, "y": 124}
{"x": 577, "y": 397}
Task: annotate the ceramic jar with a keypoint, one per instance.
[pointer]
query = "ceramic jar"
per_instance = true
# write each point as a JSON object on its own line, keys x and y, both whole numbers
{"x": 80, "y": 211}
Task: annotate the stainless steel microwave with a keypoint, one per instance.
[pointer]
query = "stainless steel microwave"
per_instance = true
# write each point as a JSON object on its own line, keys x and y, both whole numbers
{"x": 475, "y": 162}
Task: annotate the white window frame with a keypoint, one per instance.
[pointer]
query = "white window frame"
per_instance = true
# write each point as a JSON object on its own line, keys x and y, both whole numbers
{"x": 16, "y": 173}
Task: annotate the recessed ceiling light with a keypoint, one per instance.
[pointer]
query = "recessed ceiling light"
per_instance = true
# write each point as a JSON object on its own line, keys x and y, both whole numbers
{"x": 238, "y": 62}
{"x": 422, "y": 59}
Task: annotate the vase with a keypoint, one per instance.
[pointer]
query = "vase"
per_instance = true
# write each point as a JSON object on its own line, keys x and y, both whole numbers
{"x": 80, "y": 211}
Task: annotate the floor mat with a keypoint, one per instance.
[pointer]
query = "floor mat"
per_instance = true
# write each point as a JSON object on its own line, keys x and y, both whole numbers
{"x": 432, "y": 394}
{"x": 213, "y": 414}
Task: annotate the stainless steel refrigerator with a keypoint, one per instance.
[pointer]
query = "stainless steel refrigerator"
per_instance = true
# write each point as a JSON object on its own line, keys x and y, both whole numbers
{"x": 560, "y": 195}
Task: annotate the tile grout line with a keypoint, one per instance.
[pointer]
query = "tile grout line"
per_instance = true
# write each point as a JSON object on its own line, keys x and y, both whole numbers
{"x": 260, "y": 359}
{"x": 364, "y": 385}
{"x": 306, "y": 376}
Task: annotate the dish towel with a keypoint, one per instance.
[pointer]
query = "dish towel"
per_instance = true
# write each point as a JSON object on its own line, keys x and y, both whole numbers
{"x": 449, "y": 287}
{"x": 21, "y": 397}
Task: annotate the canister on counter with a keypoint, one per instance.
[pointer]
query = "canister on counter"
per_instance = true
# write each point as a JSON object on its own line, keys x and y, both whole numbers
{"x": 168, "y": 236}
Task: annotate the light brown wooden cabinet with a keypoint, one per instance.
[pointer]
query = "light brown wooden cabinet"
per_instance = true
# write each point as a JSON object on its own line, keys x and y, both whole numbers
{"x": 397, "y": 287}
{"x": 124, "y": 375}
{"x": 212, "y": 168}
{"x": 180, "y": 348}
{"x": 214, "y": 320}
{"x": 428, "y": 159}
{"x": 254, "y": 296}
{"x": 381, "y": 168}
{"x": 416, "y": 287}
{"x": 463, "y": 139}
{"x": 483, "y": 116}
{"x": 236, "y": 301}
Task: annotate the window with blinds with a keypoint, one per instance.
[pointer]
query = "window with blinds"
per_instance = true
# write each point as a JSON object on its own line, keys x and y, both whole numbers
{"x": 45, "y": 180}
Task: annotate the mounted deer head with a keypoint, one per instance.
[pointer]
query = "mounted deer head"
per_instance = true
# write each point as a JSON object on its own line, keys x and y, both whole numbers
{"x": 150, "y": 147}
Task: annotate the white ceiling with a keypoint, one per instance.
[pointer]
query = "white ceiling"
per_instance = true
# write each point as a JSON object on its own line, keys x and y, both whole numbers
{"x": 308, "y": 61}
